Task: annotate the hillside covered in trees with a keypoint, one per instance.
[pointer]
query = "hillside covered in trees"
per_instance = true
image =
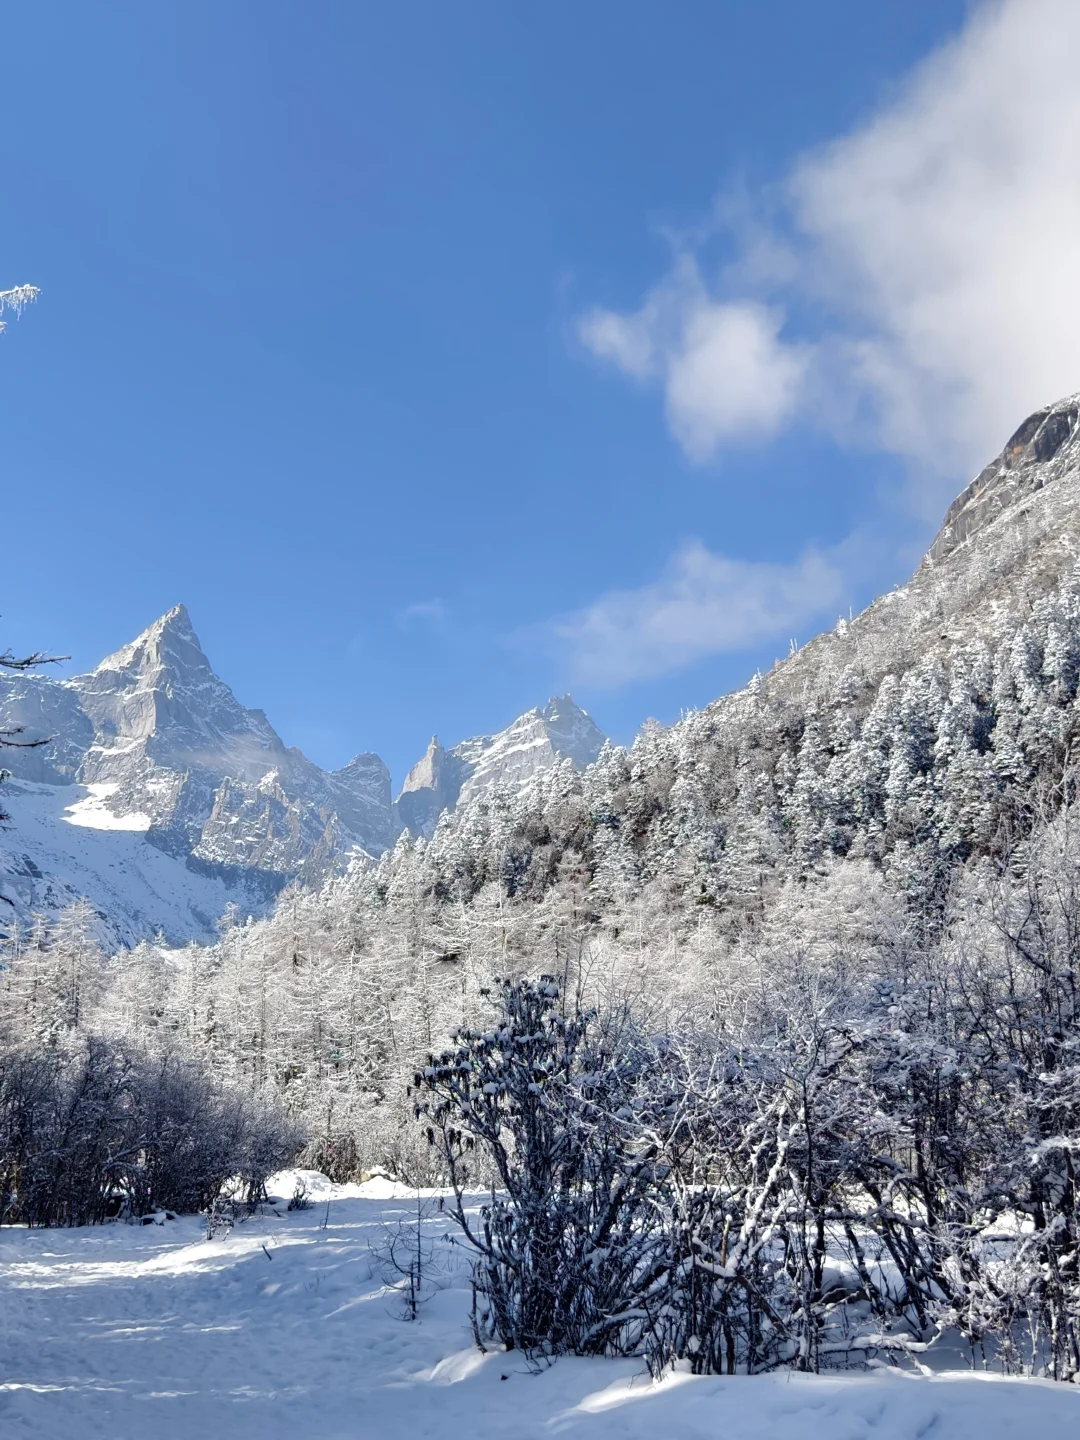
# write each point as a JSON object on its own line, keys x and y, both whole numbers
{"x": 810, "y": 990}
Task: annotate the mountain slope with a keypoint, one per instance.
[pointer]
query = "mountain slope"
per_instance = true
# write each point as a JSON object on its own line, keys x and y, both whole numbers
{"x": 926, "y": 731}
{"x": 909, "y": 737}
{"x": 1008, "y": 539}
{"x": 63, "y": 844}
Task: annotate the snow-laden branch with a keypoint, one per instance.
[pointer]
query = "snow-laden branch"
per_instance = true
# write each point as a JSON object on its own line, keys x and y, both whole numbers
{"x": 16, "y": 299}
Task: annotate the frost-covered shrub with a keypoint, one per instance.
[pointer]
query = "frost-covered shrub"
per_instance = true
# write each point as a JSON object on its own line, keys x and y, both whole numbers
{"x": 197, "y": 1134}
{"x": 827, "y": 1184}
{"x": 564, "y": 1241}
{"x": 92, "y": 1131}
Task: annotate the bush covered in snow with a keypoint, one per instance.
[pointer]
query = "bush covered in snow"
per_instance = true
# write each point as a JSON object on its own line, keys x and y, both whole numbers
{"x": 95, "y": 1129}
{"x": 849, "y": 1170}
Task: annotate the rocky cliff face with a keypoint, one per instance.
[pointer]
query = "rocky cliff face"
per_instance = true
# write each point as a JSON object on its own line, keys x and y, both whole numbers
{"x": 535, "y": 741}
{"x": 1006, "y": 541}
{"x": 431, "y": 786}
{"x": 1044, "y": 447}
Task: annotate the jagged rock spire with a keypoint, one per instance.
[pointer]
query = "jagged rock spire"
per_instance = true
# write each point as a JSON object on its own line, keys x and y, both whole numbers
{"x": 535, "y": 741}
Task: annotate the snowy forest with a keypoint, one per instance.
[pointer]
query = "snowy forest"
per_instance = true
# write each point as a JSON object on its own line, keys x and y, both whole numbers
{"x": 762, "y": 1036}
{"x": 540, "y": 722}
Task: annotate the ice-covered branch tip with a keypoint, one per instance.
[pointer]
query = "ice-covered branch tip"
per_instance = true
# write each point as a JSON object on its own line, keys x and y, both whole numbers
{"x": 16, "y": 298}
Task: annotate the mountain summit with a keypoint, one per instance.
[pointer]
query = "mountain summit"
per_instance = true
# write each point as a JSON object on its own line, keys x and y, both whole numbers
{"x": 535, "y": 741}
{"x": 1046, "y": 445}
{"x": 158, "y": 698}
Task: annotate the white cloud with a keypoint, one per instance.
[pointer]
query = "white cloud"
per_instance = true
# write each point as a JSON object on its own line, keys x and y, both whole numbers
{"x": 625, "y": 340}
{"x": 704, "y": 605}
{"x": 949, "y": 228}
{"x": 933, "y": 258}
{"x": 939, "y": 245}
{"x": 726, "y": 373}
{"x": 732, "y": 376}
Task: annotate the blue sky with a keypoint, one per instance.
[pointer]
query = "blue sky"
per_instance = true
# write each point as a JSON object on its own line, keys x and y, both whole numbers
{"x": 442, "y": 358}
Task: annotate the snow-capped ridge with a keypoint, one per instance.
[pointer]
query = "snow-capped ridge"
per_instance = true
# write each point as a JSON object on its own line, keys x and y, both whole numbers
{"x": 174, "y": 628}
{"x": 151, "y": 748}
{"x": 538, "y": 739}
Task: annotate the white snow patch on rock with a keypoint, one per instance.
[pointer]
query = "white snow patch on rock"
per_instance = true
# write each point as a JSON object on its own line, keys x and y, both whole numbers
{"x": 92, "y": 811}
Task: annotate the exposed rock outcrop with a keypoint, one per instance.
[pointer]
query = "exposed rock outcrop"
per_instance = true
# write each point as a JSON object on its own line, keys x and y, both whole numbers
{"x": 535, "y": 741}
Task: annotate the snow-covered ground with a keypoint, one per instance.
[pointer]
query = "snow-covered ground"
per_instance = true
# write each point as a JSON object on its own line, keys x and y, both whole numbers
{"x": 288, "y": 1328}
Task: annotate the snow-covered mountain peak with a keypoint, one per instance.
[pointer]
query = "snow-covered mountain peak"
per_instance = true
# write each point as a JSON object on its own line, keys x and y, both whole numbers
{"x": 161, "y": 746}
{"x": 151, "y": 748}
{"x": 559, "y": 728}
{"x": 165, "y": 661}
{"x": 167, "y": 654}
{"x": 168, "y": 643}
{"x": 571, "y": 730}
{"x": 535, "y": 741}
{"x": 431, "y": 786}
{"x": 158, "y": 696}
{"x": 430, "y": 770}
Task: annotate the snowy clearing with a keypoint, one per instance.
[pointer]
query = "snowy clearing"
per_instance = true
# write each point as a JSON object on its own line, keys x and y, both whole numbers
{"x": 286, "y": 1328}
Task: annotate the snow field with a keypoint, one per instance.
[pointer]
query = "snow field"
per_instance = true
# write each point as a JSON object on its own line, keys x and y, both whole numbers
{"x": 288, "y": 1327}
{"x": 64, "y": 831}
